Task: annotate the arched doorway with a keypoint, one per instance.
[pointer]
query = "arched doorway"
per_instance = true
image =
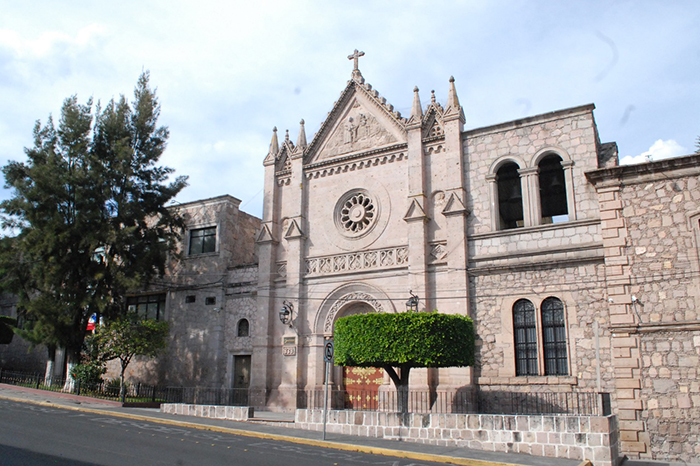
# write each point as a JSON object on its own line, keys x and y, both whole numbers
{"x": 361, "y": 384}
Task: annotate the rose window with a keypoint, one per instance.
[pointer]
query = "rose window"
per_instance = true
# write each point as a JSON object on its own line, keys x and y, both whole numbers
{"x": 356, "y": 213}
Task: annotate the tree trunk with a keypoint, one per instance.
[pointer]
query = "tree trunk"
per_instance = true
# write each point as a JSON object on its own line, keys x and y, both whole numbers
{"x": 72, "y": 360}
{"x": 50, "y": 362}
{"x": 401, "y": 384}
{"x": 122, "y": 386}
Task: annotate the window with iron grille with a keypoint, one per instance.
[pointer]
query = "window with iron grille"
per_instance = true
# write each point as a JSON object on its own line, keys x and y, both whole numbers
{"x": 525, "y": 333}
{"x": 554, "y": 337}
{"x": 148, "y": 306}
{"x": 202, "y": 241}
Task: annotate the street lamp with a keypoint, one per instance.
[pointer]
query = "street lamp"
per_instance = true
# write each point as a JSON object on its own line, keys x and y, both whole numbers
{"x": 286, "y": 313}
{"x": 412, "y": 303}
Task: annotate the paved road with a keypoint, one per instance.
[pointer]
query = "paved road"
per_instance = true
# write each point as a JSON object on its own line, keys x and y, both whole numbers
{"x": 41, "y": 435}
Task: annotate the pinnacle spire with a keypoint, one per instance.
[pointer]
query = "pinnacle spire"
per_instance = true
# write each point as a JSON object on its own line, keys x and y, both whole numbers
{"x": 301, "y": 140}
{"x": 417, "y": 110}
{"x": 452, "y": 100}
{"x": 274, "y": 145}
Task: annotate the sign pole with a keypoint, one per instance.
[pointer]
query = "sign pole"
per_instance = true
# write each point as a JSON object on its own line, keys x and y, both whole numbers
{"x": 328, "y": 357}
{"x": 325, "y": 399}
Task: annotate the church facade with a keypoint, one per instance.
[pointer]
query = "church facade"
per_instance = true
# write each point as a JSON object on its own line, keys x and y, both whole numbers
{"x": 580, "y": 275}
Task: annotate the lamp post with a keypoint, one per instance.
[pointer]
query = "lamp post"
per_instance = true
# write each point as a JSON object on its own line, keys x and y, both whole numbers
{"x": 286, "y": 312}
{"x": 412, "y": 303}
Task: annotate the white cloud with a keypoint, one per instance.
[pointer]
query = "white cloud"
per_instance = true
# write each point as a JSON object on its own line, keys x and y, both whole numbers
{"x": 659, "y": 150}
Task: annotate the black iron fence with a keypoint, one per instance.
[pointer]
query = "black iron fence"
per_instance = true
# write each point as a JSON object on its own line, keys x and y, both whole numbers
{"x": 387, "y": 400}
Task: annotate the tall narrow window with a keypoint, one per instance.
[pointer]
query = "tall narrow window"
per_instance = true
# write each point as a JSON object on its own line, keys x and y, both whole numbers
{"x": 510, "y": 197}
{"x": 243, "y": 328}
{"x": 525, "y": 334}
{"x": 554, "y": 337}
{"x": 552, "y": 190}
{"x": 202, "y": 240}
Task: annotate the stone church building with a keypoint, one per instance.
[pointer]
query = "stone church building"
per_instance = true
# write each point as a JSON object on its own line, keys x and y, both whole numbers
{"x": 579, "y": 274}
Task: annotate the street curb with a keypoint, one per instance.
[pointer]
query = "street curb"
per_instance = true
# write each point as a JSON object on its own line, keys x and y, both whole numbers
{"x": 267, "y": 436}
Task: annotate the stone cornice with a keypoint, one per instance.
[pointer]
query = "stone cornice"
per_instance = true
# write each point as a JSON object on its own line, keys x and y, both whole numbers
{"x": 526, "y": 260}
{"x": 356, "y": 161}
{"x": 523, "y": 230}
{"x": 649, "y": 171}
{"x": 690, "y": 325}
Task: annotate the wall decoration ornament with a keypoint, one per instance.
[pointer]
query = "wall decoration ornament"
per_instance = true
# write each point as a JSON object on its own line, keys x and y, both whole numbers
{"x": 347, "y": 299}
{"x": 356, "y": 213}
{"x": 363, "y": 260}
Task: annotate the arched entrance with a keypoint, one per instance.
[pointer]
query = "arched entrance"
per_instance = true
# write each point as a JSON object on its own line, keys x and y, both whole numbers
{"x": 361, "y": 384}
{"x": 359, "y": 387}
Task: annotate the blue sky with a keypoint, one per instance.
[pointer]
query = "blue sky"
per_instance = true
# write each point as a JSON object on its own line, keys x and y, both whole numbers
{"x": 228, "y": 72}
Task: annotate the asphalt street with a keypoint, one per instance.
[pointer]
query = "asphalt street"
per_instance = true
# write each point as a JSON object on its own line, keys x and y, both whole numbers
{"x": 40, "y": 435}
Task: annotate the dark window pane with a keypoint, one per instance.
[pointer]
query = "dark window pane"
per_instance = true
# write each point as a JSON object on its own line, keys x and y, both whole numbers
{"x": 525, "y": 333}
{"x": 554, "y": 337}
{"x": 203, "y": 240}
{"x": 510, "y": 197}
{"x": 552, "y": 190}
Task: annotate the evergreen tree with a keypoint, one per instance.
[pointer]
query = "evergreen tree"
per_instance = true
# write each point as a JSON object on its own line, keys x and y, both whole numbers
{"x": 89, "y": 209}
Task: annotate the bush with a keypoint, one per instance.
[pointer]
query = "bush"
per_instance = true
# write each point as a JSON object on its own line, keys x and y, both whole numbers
{"x": 89, "y": 374}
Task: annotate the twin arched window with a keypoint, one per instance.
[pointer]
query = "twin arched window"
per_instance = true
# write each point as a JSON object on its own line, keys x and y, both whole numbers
{"x": 551, "y": 338}
{"x": 531, "y": 196}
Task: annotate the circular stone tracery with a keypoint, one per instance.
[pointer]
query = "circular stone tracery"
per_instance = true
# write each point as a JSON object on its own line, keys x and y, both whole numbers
{"x": 356, "y": 213}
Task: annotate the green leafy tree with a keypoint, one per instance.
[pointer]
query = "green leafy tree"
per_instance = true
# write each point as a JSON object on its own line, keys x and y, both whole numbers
{"x": 89, "y": 207}
{"x": 127, "y": 337}
{"x": 404, "y": 341}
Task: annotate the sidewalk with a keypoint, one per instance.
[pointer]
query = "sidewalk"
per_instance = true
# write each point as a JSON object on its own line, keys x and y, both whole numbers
{"x": 265, "y": 427}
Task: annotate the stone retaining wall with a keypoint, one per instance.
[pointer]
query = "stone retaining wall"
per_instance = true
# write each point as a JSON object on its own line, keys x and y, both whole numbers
{"x": 593, "y": 438}
{"x": 232, "y": 413}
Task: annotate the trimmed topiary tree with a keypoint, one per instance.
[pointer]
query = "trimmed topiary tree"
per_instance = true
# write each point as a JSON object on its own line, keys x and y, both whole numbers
{"x": 403, "y": 341}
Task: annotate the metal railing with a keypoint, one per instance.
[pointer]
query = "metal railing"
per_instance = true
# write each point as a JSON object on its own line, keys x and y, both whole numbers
{"x": 386, "y": 399}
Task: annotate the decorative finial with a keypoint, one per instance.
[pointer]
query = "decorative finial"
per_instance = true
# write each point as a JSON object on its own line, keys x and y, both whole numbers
{"x": 416, "y": 110}
{"x": 452, "y": 99}
{"x": 286, "y": 136}
{"x": 432, "y": 96}
{"x": 301, "y": 140}
{"x": 274, "y": 146}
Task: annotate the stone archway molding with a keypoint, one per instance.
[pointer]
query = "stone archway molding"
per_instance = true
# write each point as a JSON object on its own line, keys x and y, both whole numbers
{"x": 345, "y": 295}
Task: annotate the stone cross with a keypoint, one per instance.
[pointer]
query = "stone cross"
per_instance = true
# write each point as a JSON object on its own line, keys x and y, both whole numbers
{"x": 356, "y": 56}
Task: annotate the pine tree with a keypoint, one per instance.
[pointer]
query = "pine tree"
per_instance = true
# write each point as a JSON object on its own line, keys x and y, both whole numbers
{"x": 89, "y": 206}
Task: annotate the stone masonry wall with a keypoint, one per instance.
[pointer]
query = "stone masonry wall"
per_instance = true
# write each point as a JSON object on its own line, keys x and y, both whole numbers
{"x": 573, "y": 437}
{"x": 580, "y": 289}
{"x": 671, "y": 390}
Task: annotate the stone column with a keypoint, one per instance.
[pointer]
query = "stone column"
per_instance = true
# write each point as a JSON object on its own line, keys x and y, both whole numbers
{"x": 493, "y": 202}
{"x": 568, "y": 165}
{"x": 625, "y": 342}
{"x": 530, "y": 185}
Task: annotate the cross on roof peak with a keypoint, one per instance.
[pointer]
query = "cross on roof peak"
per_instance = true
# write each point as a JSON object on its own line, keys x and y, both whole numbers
{"x": 356, "y": 56}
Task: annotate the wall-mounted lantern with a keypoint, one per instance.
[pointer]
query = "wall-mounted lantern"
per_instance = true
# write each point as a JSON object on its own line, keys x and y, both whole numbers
{"x": 286, "y": 313}
{"x": 412, "y": 303}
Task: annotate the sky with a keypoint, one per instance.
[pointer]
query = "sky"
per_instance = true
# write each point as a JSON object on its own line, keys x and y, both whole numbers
{"x": 227, "y": 72}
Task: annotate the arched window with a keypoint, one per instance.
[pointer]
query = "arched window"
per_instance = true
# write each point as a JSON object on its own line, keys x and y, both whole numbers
{"x": 552, "y": 190}
{"x": 525, "y": 334}
{"x": 554, "y": 337}
{"x": 243, "y": 328}
{"x": 510, "y": 197}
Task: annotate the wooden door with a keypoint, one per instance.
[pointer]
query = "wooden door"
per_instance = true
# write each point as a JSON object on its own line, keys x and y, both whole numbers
{"x": 362, "y": 387}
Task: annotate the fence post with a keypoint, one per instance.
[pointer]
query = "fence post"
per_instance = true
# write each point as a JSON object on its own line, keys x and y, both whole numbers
{"x": 77, "y": 387}
{"x": 153, "y": 394}
{"x": 38, "y": 381}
